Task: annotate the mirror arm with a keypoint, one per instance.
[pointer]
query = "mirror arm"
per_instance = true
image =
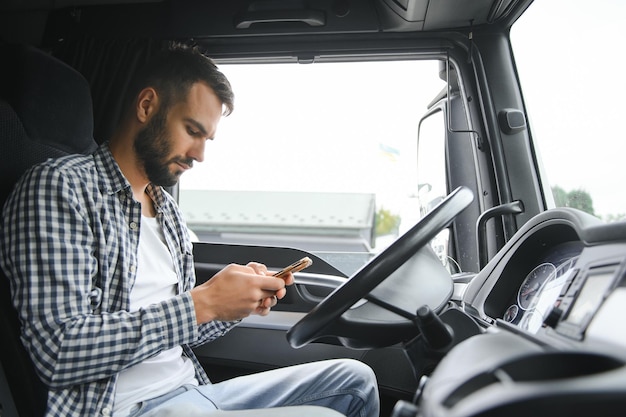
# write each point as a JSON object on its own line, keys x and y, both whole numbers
{"x": 514, "y": 207}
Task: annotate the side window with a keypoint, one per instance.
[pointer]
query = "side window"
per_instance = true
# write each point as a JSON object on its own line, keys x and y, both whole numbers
{"x": 575, "y": 100}
{"x": 319, "y": 157}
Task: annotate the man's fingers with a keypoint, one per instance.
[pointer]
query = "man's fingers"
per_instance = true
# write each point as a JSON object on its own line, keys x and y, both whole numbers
{"x": 257, "y": 267}
{"x": 268, "y": 302}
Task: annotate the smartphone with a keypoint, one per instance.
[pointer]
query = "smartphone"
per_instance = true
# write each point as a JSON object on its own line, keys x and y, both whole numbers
{"x": 295, "y": 267}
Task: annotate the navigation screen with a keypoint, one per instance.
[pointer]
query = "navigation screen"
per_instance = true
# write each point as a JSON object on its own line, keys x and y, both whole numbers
{"x": 590, "y": 296}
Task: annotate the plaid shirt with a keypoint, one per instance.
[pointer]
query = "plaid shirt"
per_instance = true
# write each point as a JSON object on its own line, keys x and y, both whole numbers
{"x": 69, "y": 235}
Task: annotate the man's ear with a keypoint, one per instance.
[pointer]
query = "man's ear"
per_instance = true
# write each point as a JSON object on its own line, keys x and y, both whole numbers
{"x": 147, "y": 104}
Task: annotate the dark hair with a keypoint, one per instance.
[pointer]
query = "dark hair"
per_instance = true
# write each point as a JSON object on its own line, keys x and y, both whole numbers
{"x": 173, "y": 71}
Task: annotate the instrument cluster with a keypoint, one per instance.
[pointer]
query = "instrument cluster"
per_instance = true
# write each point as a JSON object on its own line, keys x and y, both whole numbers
{"x": 541, "y": 290}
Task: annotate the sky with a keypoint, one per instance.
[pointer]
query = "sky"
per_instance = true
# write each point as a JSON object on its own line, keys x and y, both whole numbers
{"x": 260, "y": 146}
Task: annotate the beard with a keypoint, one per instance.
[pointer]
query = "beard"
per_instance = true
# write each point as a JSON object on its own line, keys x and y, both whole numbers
{"x": 152, "y": 146}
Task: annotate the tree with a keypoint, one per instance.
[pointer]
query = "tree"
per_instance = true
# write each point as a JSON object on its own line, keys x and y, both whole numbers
{"x": 579, "y": 199}
{"x": 386, "y": 222}
{"x": 560, "y": 196}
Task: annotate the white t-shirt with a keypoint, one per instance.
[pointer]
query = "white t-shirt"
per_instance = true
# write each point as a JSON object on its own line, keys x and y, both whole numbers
{"x": 156, "y": 281}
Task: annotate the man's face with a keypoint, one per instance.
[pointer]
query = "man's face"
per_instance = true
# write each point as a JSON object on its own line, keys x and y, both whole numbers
{"x": 175, "y": 137}
{"x": 153, "y": 146}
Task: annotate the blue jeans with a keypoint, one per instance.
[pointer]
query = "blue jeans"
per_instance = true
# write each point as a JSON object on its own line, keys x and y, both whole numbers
{"x": 345, "y": 385}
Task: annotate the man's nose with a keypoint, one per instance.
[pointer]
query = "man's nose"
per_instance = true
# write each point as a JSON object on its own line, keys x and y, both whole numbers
{"x": 197, "y": 151}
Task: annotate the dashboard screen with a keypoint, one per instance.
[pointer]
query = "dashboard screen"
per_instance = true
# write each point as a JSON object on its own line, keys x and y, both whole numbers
{"x": 590, "y": 296}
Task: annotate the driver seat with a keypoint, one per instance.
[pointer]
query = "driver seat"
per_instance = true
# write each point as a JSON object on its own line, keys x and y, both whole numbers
{"x": 45, "y": 112}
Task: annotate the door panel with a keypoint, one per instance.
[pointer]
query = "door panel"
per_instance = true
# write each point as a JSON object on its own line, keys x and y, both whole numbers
{"x": 260, "y": 343}
{"x": 210, "y": 258}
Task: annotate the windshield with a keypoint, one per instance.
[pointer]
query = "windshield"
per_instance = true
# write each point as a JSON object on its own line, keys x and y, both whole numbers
{"x": 571, "y": 71}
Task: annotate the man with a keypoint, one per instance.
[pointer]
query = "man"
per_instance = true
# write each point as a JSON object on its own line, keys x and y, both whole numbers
{"x": 101, "y": 269}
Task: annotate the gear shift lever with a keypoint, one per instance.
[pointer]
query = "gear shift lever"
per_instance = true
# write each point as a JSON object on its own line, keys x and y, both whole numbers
{"x": 435, "y": 332}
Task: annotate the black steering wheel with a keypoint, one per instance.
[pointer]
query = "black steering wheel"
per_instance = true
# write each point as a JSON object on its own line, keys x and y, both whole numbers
{"x": 416, "y": 278}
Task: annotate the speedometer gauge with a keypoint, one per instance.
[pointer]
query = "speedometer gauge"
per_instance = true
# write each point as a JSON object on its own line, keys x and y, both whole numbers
{"x": 533, "y": 283}
{"x": 511, "y": 313}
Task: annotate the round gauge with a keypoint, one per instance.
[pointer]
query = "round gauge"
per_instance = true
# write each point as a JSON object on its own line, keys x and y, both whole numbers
{"x": 511, "y": 313}
{"x": 565, "y": 267}
{"x": 533, "y": 283}
{"x": 532, "y": 321}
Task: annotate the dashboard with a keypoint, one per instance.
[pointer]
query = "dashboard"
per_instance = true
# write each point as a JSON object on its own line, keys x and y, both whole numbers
{"x": 555, "y": 272}
{"x": 551, "y": 305}
{"x": 544, "y": 287}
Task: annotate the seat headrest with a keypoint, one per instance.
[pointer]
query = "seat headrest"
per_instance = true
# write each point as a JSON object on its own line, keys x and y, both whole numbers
{"x": 51, "y": 99}
{"x": 45, "y": 112}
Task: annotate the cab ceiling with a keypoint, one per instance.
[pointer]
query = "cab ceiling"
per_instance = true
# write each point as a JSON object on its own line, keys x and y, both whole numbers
{"x": 22, "y": 19}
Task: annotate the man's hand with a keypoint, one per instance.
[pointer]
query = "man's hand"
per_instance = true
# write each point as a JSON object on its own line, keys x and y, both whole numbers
{"x": 266, "y": 304}
{"x": 238, "y": 291}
